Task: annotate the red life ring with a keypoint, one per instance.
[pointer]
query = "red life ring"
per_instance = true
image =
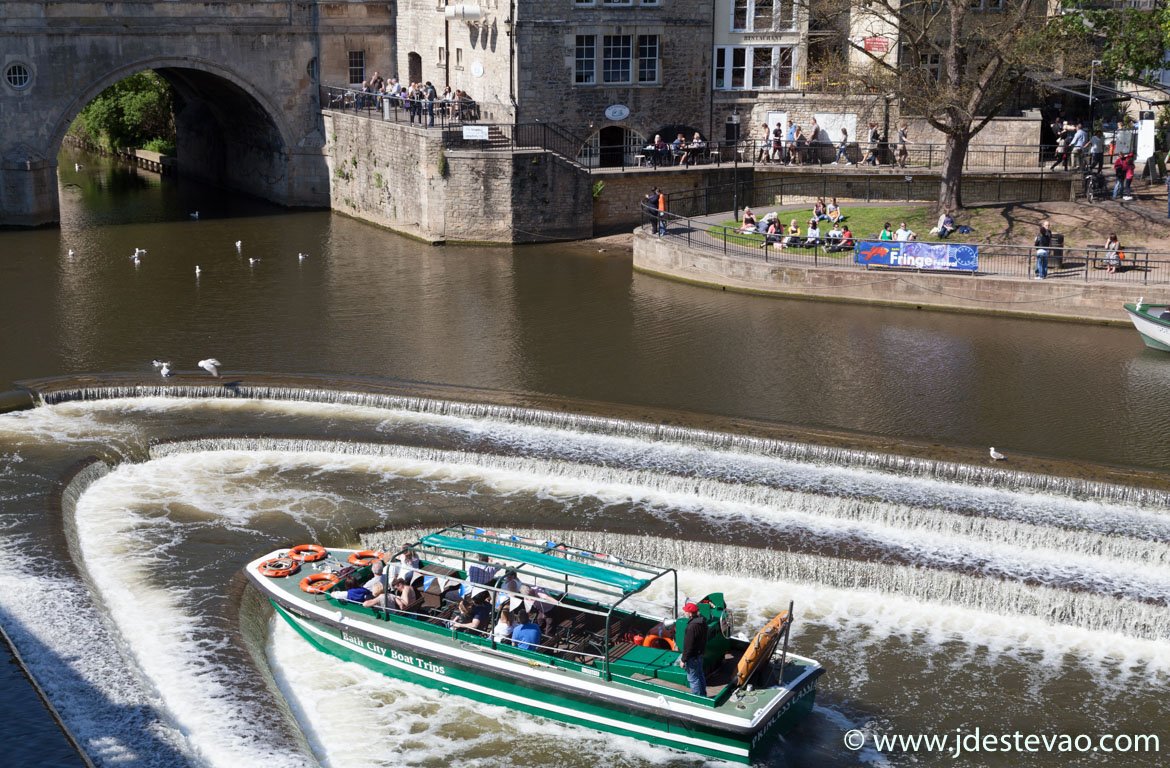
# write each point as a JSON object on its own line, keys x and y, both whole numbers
{"x": 658, "y": 641}
{"x": 364, "y": 557}
{"x": 316, "y": 583}
{"x": 277, "y": 567}
{"x": 307, "y": 553}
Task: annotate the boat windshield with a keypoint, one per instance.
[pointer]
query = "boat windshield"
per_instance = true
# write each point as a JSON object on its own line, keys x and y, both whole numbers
{"x": 549, "y": 562}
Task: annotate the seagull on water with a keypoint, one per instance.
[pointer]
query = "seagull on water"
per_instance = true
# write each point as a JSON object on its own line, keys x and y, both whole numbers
{"x": 139, "y": 251}
{"x": 301, "y": 256}
{"x": 136, "y": 260}
{"x": 211, "y": 365}
{"x": 195, "y": 215}
{"x": 996, "y": 455}
{"x": 71, "y": 253}
{"x": 158, "y": 363}
{"x": 252, "y": 261}
{"x": 164, "y": 370}
{"x": 197, "y": 270}
{"x": 239, "y": 245}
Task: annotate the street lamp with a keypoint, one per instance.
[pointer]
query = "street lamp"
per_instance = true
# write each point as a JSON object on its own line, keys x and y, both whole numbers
{"x": 1092, "y": 76}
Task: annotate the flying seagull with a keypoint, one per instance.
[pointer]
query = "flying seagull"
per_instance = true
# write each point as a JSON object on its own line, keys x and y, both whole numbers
{"x": 158, "y": 363}
{"x": 996, "y": 455}
{"x": 211, "y": 365}
{"x": 252, "y": 261}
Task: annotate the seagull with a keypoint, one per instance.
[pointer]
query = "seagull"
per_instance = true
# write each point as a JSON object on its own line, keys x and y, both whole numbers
{"x": 197, "y": 270}
{"x": 252, "y": 261}
{"x": 301, "y": 256}
{"x": 136, "y": 260}
{"x": 239, "y": 245}
{"x": 996, "y": 455}
{"x": 165, "y": 370}
{"x": 158, "y": 363}
{"x": 211, "y": 365}
{"x": 195, "y": 215}
{"x": 139, "y": 251}
{"x": 71, "y": 253}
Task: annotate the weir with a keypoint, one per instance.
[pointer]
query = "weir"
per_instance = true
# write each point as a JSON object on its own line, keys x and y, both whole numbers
{"x": 1098, "y": 613}
{"x": 50, "y": 393}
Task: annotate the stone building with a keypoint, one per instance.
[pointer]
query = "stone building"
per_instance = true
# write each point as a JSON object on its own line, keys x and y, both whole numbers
{"x": 610, "y": 72}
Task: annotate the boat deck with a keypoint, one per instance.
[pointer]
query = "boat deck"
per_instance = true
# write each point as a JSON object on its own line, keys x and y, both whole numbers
{"x": 574, "y": 640}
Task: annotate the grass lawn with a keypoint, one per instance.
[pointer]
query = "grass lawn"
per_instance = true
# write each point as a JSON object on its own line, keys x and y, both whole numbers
{"x": 864, "y": 221}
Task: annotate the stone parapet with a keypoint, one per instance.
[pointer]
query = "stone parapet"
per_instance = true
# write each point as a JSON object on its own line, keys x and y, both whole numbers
{"x": 1050, "y": 299}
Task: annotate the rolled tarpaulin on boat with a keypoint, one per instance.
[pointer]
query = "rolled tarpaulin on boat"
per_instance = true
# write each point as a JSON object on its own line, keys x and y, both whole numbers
{"x": 16, "y": 400}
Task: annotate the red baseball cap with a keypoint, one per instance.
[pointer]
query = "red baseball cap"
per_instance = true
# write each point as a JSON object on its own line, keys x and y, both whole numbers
{"x": 690, "y": 608}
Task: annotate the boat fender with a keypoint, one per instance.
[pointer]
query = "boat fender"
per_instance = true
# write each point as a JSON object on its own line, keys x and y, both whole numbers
{"x": 317, "y": 583}
{"x": 760, "y": 649}
{"x": 364, "y": 557}
{"x": 277, "y": 567}
{"x": 658, "y": 641}
{"x": 307, "y": 553}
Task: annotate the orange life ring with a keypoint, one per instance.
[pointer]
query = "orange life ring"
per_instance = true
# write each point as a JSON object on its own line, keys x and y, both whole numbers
{"x": 316, "y": 583}
{"x": 364, "y": 557}
{"x": 658, "y": 641}
{"x": 760, "y": 649}
{"x": 279, "y": 566}
{"x": 307, "y": 553}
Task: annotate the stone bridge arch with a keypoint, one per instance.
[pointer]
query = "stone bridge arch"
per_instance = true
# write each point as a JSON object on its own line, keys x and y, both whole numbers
{"x": 245, "y": 74}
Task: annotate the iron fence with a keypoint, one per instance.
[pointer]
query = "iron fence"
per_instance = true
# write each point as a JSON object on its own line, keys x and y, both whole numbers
{"x": 1139, "y": 265}
{"x": 398, "y": 109}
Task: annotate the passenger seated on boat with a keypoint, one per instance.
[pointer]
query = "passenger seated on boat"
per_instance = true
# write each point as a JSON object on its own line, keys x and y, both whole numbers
{"x": 405, "y": 562}
{"x": 483, "y": 572}
{"x": 504, "y": 626}
{"x": 474, "y": 615}
{"x": 540, "y": 605}
{"x": 525, "y": 635}
{"x": 402, "y": 596}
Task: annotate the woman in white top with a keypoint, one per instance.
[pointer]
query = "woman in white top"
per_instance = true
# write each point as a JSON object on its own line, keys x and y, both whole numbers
{"x": 503, "y": 628}
{"x": 813, "y": 237}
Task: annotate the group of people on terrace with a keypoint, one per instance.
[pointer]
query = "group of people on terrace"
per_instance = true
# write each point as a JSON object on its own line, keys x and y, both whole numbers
{"x": 678, "y": 152}
{"x": 794, "y": 145}
{"x": 422, "y": 100}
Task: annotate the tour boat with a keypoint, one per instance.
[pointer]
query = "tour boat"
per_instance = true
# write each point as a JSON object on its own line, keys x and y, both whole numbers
{"x": 607, "y": 657}
{"x": 1152, "y": 322}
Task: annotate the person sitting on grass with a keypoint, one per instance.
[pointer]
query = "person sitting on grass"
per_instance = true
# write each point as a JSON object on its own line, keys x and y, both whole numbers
{"x": 833, "y": 211}
{"x": 846, "y": 241}
{"x": 946, "y": 224}
{"x": 813, "y": 236}
{"x": 819, "y": 210}
{"x": 749, "y": 222}
{"x": 792, "y": 238}
{"x": 833, "y": 237}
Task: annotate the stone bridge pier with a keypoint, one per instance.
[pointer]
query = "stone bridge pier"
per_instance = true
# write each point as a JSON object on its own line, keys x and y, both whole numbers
{"x": 245, "y": 75}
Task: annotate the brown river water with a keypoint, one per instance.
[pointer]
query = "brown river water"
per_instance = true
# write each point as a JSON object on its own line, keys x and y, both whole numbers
{"x": 551, "y": 387}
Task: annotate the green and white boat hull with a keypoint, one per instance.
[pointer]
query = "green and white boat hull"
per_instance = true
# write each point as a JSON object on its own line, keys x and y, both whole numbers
{"x": 1154, "y": 330}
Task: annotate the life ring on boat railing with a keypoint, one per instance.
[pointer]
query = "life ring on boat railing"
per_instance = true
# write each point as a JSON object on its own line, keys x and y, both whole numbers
{"x": 760, "y": 649}
{"x": 658, "y": 641}
{"x": 276, "y": 567}
{"x": 364, "y": 557}
{"x": 307, "y": 553}
{"x": 316, "y": 583}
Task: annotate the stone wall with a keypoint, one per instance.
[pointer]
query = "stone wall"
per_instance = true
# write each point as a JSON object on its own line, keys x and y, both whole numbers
{"x": 619, "y": 206}
{"x": 400, "y": 177}
{"x": 668, "y": 257}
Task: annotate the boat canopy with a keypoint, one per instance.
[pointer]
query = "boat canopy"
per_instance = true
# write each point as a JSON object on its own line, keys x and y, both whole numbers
{"x": 628, "y": 584}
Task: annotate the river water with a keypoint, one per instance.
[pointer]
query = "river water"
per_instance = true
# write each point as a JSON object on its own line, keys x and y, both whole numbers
{"x": 941, "y": 602}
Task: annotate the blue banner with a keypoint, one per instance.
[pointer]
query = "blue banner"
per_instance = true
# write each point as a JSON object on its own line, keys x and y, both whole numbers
{"x": 946, "y": 257}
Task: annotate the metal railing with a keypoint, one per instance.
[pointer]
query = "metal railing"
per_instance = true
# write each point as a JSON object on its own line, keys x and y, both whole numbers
{"x": 398, "y": 109}
{"x": 1140, "y": 266}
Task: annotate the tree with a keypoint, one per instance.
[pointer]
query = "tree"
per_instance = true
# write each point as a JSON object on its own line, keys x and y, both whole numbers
{"x": 957, "y": 62}
{"x": 133, "y": 112}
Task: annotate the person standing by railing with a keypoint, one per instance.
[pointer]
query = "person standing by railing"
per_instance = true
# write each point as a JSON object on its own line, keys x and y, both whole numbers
{"x": 1043, "y": 244}
{"x": 903, "y": 140}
